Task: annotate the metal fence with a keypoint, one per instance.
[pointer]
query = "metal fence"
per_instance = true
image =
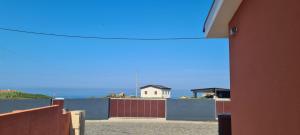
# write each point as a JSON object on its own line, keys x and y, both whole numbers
{"x": 191, "y": 109}
{"x": 95, "y": 109}
{"x": 11, "y": 105}
{"x": 100, "y": 108}
{"x": 130, "y": 107}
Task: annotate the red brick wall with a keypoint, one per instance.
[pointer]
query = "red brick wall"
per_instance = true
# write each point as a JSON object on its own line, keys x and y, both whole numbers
{"x": 39, "y": 121}
{"x": 223, "y": 107}
{"x": 265, "y": 68}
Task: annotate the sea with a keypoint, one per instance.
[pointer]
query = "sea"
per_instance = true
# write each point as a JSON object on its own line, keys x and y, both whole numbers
{"x": 71, "y": 93}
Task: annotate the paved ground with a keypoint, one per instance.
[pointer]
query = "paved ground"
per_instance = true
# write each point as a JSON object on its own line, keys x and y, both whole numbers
{"x": 150, "y": 127}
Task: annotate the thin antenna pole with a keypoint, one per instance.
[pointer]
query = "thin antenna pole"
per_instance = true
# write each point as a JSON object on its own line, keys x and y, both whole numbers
{"x": 136, "y": 84}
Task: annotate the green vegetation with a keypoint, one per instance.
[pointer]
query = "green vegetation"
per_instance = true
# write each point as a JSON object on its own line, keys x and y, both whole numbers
{"x": 120, "y": 95}
{"x": 21, "y": 95}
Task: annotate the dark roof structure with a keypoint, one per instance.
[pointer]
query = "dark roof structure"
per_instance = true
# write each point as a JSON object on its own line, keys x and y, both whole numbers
{"x": 156, "y": 86}
{"x": 209, "y": 90}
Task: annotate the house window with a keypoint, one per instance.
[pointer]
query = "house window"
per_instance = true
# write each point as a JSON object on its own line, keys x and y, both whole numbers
{"x": 155, "y": 92}
{"x": 145, "y": 92}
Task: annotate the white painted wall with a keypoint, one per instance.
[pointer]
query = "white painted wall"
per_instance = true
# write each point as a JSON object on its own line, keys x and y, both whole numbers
{"x": 161, "y": 93}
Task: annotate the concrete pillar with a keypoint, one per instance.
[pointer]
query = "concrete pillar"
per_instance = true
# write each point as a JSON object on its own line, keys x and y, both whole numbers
{"x": 78, "y": 122}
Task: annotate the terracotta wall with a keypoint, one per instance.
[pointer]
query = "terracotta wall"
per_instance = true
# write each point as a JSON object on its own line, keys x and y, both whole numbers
{"x": 223, "y": 107}
{"x": 265, "y": 68}
{"x": 39, "y": 121}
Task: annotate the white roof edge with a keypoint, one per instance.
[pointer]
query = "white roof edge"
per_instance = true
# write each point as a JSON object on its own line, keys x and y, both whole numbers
{"x": 212, "y": 16}
{"x": 59, "y": 98}
{"x": 221, "y": 12}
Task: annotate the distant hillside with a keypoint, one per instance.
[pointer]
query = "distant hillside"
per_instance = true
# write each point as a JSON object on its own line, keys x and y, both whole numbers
{"x": 12, "y": 94}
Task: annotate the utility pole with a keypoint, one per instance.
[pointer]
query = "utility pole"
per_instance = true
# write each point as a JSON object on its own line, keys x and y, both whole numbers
{"x": 136, "y": 85}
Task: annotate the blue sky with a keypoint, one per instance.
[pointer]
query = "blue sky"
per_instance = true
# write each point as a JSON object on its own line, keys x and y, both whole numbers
{"x": 41, "y": 61}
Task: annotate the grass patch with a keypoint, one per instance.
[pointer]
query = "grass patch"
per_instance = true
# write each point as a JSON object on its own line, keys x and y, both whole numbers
{"x": 22, "y": 95}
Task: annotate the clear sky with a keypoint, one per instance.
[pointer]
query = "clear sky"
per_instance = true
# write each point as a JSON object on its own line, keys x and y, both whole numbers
{"x": 42, "y": 61}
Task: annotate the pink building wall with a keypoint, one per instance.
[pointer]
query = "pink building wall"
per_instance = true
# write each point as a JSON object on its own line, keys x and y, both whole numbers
{"x": 265, "y": 68}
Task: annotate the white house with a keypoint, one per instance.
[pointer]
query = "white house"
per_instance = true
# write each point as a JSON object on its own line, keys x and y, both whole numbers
{"x": 155, "y": 91}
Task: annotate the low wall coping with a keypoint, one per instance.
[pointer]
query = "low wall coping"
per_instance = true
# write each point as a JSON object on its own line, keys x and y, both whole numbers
{"x": 140, "y": 98}
{"x": 28, "y": 110}
{"x": 58, "y": 99}
{"x": 223, "y": 99}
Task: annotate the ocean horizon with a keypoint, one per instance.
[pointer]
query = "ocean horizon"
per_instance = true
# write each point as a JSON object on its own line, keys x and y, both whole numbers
{"x": 93, "y": 92}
